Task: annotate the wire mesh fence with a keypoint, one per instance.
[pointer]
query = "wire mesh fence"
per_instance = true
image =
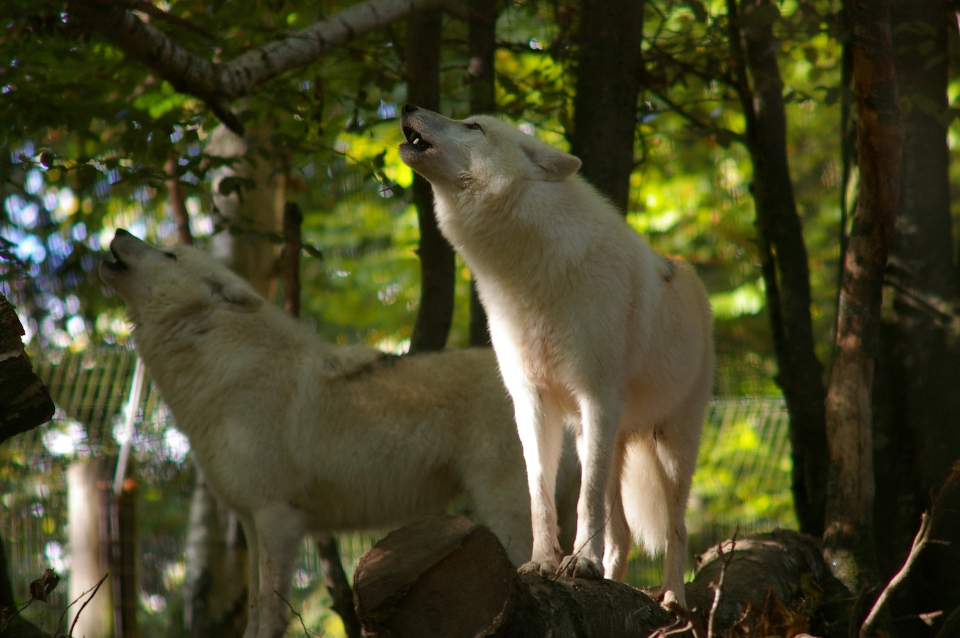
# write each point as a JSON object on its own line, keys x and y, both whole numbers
{"x": 742, "y": 481}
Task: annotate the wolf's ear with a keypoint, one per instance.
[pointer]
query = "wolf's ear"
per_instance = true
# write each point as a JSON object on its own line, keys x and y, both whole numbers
{"x": 237, "y": 294}
{"x": 550, "y": 164}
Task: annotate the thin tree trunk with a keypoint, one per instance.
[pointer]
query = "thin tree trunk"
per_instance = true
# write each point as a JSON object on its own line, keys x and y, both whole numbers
{"x": 608, "y": 85}
{"x": 848, "y": 539}
{"x": 248, "y": 215}
{"x": 123, "y": 537}
{"x": 177, "y": 201}
{"x": 88, "y": 495}
{"x": 437, "y": 263}
{"x": 783, "y": 257}
{"x": 483, "y": 46}
{"x": 915, "y": 399}
{"x": 337, "y": 584}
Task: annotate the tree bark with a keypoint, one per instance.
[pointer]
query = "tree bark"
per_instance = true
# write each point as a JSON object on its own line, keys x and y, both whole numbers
{"x": 447, "y": 576}
{"x": 177, "y": 201}
{"x": 216, "y": 84}
{"x": 337, "y": 584}
{"x": 25, "y": 402}
{"x": 482, "y": 48}
{"x": 249, "y": 195}
{"x": 437, "y": 262}
{"x": 915, "y": 399}
{"x": 848, "y": 539}
{"x": 12, "y": 624}
{"x": 783, "y": 255}
{"x": 608, "y": 85}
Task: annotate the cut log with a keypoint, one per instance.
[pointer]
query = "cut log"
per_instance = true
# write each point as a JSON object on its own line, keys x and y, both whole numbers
{"x": 448, "y": 576}
{"x": 25, "y": 402}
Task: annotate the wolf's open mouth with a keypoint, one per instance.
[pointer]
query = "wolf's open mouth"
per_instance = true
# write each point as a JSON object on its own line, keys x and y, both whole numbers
{"x": 416, "y": 139}
{"x": 115, "y": 263}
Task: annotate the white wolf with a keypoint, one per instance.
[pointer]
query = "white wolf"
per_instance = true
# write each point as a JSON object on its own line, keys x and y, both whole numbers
{"x": 297, "y": 434}
{"x": 586, "y": 320}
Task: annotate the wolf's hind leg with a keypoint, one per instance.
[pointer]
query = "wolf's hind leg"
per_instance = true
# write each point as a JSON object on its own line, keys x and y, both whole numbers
{"x": 616, "y": 549}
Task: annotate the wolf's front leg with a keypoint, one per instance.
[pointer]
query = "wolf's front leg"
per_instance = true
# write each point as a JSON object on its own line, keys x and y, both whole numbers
{"x": 599, "y": 418}
{"x": 540, "y": 426}
{"x": 279, "y": 532}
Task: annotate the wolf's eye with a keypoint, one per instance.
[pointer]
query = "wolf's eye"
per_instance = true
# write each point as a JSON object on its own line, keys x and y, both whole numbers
{"x": 170, "y": 256}
{"x": 474, "y": 126}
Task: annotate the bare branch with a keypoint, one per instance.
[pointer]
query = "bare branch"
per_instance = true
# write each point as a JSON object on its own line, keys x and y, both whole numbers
{"x": 919, "y": 542}
{"x": 217, "y": 84}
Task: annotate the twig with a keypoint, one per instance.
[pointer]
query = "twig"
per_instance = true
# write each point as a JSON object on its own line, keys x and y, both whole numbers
{"x": 93, "y": 589}
{"x": 306, "y": 632}
{"x": 674, "y": 628}
{"x": 725, "y": 560}
{"x": 919, "y": 542}
{"x": 576, "y": 551}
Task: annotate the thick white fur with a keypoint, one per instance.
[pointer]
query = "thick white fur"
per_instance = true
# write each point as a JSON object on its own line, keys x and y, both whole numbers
{"x": 297, "y": 434}
{"x": 587, "y": 320}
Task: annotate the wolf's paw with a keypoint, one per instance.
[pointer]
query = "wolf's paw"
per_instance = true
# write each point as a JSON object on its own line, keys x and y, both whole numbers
{"x": 542, "y": 568}
{"x": 667, "y": 597}
{"x": 581, "y": 567}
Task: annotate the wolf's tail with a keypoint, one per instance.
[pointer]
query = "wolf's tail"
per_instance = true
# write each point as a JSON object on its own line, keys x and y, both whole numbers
{"x": 646, "y": 493}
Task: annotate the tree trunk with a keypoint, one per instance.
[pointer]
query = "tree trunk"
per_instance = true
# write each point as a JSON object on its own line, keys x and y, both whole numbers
{"x": 12, "y": 625}
{"x": 437, "y": 263}
{"x": 25, "y": 402}
{"x": 337, "y": 584}
{"x": 447, "y": 576}
{"x": 848, "y": 539}
{"x": 123, "y": 557}
{"x": 248, "y": 196}
{"x": 915, "y": 399}
{"x": 177, "y": 201}
{"x": 605, "y": 104}
{"x": 89, "y": 495}
{"x": 483, "y": 46}
{"x": 783, "y": 256}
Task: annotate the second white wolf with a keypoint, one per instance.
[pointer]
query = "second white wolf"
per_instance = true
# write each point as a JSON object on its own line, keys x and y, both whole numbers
{"x": 586, "y": 320}
{"x": 298, "y": 435}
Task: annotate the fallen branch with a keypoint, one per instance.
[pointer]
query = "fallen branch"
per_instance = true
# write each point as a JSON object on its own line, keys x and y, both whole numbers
{"x": 93, "y": 592}
{"x": 919, "y": 543}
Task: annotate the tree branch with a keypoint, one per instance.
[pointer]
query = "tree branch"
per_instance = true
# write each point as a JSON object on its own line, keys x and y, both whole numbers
{"x": 919, "y": 542}
{"x": 217, "y": 84}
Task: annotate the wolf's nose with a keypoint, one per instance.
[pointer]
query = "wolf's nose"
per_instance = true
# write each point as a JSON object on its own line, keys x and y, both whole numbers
{"x": 120, "y": 232}
{"x": 409, "y": 108}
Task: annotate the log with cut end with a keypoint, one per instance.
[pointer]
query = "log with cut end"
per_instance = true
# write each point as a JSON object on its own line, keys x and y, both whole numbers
{"x": 25, "y": 402}
{"x": 449, "y": 577}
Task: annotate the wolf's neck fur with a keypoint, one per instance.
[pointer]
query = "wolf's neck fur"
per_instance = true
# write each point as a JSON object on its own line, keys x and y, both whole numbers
{"x": 551, "y": 226}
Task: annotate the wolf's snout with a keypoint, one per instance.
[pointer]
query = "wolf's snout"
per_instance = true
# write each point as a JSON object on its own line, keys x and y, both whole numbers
{"x": 121, "y": 233}
{"x": 409, "y": 108}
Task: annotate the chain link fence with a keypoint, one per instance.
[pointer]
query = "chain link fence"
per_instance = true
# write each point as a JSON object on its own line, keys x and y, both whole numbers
{"x": 742, "y": 482}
